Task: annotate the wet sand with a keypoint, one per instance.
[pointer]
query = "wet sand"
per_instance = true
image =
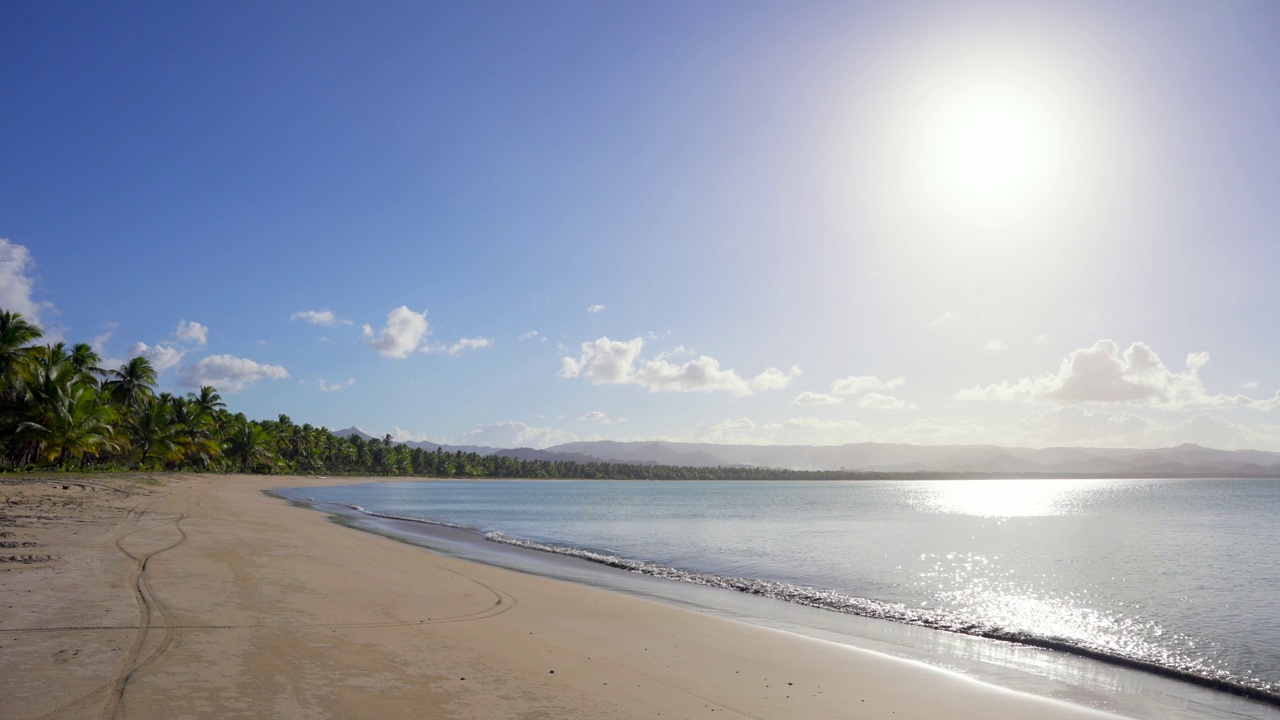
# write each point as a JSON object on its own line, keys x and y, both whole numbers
{"x": 202, "y": 597}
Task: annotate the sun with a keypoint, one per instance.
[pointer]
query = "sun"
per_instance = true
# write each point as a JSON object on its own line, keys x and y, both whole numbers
{"x": 986, "y": 146}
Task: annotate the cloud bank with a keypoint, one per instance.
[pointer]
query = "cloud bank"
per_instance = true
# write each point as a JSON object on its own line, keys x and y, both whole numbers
{"x": 17, "y": 284}
{"x": 813, "y": 398}
{"x": 1105, "y": 375}
{"x": 228, "y": 374}
{"x": 858, "y": 384}
{"x": 512, "y": 434}
{"x": 616, "y": 362}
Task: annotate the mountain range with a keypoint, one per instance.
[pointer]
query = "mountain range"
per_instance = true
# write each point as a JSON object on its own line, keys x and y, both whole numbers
{"x": 1182, "y": 461}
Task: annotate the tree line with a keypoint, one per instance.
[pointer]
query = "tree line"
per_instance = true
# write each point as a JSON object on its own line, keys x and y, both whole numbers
{"x": 60, "y": 410}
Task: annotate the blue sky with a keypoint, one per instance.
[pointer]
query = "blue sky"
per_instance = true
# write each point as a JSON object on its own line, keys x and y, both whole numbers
{"x": 735, "y": 222}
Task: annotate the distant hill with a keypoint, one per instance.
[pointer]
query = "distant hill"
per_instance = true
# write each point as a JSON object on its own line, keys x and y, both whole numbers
{"x": 353, "y": 430}
{"x": 547, "y": 455}
{"x": 1183, "y": 460}
{"x": 477, "y": 449}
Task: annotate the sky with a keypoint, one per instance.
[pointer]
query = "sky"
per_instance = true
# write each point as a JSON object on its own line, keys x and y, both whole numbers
{"x": 522, "y": 224}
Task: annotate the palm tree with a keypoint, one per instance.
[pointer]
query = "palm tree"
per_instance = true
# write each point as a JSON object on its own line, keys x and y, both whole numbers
{"x": 85, "y": 360}
{"x": 209, "y": 400}
{"x": 45, "y": 379}
{"x": 249, "y": 445}
{"x": 197, "y": 440}
{"x": 52, "y": 353}
{"x": 16, "y": 335}
{"x": 72, "y": 425}
{"x": 154, "y": 435}
{"x": 131, "y": 384}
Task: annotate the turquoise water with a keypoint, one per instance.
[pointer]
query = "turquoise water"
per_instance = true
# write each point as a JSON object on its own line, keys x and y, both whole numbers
{"x": 1177, "y": 576}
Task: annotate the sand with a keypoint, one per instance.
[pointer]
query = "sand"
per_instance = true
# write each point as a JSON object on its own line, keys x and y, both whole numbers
{"x": 202, "y": 597}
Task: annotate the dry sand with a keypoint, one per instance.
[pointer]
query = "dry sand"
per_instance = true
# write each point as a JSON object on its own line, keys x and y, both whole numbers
{"x": 201, "y": 597}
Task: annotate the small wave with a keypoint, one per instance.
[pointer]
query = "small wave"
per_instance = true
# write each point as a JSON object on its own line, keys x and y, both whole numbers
{"x": 896, "y": 612}
{"x": 407, "y": 518}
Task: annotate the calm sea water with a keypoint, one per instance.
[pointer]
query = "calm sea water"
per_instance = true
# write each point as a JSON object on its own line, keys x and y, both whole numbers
{"x": 1179, "y": 575}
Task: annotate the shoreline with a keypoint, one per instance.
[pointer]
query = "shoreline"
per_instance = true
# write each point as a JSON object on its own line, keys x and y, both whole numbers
{"x": 1021, "y": 663}
{"x": 205, "y": 593}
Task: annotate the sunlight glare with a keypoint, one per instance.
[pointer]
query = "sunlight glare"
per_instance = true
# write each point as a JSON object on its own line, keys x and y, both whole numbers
{"x": 988, "y": 148}
{"x": 1004, "y": 498}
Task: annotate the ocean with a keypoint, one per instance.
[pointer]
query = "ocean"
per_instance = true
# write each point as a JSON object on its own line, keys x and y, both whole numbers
{"x": 1093, "y": 591}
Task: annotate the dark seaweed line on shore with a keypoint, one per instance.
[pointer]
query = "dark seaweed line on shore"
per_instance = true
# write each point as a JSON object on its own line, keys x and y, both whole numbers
{"x": 864, "y": 607}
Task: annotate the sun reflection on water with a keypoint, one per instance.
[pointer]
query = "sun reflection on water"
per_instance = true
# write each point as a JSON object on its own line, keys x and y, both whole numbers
{"x": 1005, "y": 498}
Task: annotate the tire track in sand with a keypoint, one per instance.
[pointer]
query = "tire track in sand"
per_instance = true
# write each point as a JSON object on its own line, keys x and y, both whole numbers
{"x": 153, "y": 615}
{"x": 127, "y": 526}
{"x": 149, "y": 607}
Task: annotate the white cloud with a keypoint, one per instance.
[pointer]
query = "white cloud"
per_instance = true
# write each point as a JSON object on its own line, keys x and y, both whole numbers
{"x": 1081, "y": 425}
{"x": 1104, "y": 375}
{"x": 99, "y": 342}
{"x": 604, "y": 361}
{"x": 614, "y": 362}
{"x": 1041, "y": 339}
{"x": 944, "y": 317}
{"x": 996, "y": 346}
{"x": 701, "y": 374}
{"x": 161, "y": 357}
{"x": 192, "y": 332}
{"x": 1251, "y": 385}
{"x": 774, "y": 379}
{"x": 597, "y": 416}
{"x": 595, "y": 309}
{"x": 813, "y": 398}
{"x": 1218, "y": 432}
{"x": 879, "y": 401}
{"x": 531, "y": 335}
{"x": 513, "y": 434}
{"x": 1118, "y": 428}
{"x": 1272, "y": 404}
{"x": 228, "y": 374}
{"x": 326, "y": 387}
{"x": 399, "y": 434}
{"x": 17, "y": 284}
{"x": 734, "y": 432}
{"x": 858, "y": 384}
{"x": 320, "y": 317}
{"x": 813, "y": 423}
{"x": 461, "y": 345}
{"x": 933, "y": 431}
{"x": 404, "y": 332}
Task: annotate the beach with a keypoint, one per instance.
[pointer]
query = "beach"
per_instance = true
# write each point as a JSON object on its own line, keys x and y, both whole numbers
{"x": 202, "y": 596}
